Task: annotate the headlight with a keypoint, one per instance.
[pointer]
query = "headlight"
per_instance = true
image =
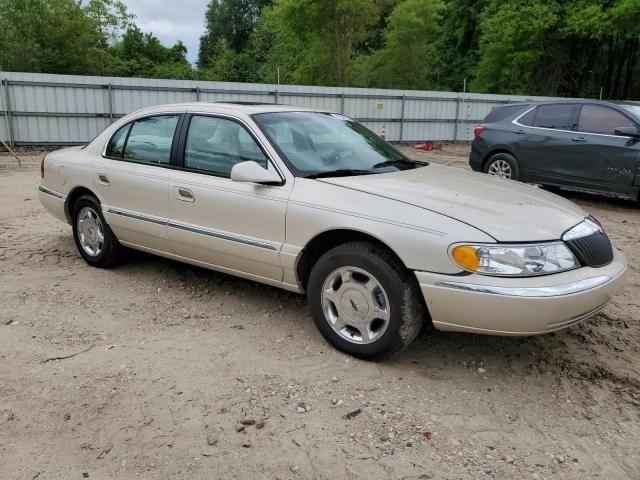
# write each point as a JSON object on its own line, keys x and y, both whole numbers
{"x": 514, "y": 260}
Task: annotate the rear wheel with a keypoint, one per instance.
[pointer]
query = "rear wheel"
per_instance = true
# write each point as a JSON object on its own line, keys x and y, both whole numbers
{"x": 503, "y": 165}
{"x": 364, "y": 302}
{"x": 94, "y": 239}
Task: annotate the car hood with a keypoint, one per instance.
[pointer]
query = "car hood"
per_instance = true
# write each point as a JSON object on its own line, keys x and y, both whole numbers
{"x": 508, "y": 211}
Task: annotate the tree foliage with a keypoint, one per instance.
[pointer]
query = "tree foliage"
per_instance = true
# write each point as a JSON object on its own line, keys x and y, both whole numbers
{"x": 542, "y": 47}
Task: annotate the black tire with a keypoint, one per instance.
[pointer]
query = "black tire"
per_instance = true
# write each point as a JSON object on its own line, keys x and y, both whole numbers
{"x": 111, "y": 251}
{"x": 407, "y": 311}
{"x": 504, "y": 157}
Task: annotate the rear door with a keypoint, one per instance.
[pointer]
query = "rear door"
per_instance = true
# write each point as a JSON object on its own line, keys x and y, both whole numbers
{"x": 545, "y": 142}
{"x": 601, "y": 159}
{"x": 132, "y": 180}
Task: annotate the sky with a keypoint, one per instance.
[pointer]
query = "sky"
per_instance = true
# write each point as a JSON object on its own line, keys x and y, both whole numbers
{"x": 171, "y": 20}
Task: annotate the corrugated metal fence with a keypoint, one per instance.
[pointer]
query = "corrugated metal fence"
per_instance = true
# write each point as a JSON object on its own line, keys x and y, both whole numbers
{"x": 45, "y": 109}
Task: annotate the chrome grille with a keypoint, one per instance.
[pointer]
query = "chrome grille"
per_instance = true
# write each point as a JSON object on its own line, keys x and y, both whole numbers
{"x": 594, "y": 250}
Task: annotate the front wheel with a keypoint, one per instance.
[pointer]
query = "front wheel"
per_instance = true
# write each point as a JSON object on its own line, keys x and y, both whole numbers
{"x": 503, "y": 165}
{"x": 364, "y": 302}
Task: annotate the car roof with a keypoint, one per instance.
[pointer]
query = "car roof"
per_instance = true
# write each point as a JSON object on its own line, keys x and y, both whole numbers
{"x": 248, "y": 108}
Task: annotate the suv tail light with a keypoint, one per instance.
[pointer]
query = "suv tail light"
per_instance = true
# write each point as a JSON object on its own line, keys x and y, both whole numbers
{"x": 478, "y": 130}
{"x": 42, "y": 166}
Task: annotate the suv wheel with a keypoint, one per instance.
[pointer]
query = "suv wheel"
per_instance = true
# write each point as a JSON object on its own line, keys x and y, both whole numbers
{"x": 503, "y": 165}
{"x": 364, "y": 302}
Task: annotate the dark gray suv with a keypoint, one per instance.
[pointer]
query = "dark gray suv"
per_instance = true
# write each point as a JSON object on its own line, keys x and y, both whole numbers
{"x": 583, "y": 145}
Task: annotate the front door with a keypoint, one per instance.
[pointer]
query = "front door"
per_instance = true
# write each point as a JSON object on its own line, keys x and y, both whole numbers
{"x": 231, "y": 226}
{"x": 601, "y": 159}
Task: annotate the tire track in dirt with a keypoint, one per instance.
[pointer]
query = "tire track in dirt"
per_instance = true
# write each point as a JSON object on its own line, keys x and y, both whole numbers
{"x": 19, "y": 246}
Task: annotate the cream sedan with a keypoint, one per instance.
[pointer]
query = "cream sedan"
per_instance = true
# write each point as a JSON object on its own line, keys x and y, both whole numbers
{"x": 314, "y": 202}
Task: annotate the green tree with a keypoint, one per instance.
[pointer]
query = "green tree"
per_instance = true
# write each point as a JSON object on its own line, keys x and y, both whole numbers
{"x": 514, "y": 38}
{"x": 228, "y": 24}
{"x": 407, "y": 58}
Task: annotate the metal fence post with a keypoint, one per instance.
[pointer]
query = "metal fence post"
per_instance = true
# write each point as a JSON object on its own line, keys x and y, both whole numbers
{"x": 402, "y": 118}
{"x": 8, "y": 115}
{"x": 110, "y": 100}
{"x": 455, "y": 125}
{"x": 342, "y": 103}
{"x": 276, "y": 95}
{"x": 197, "y": 94}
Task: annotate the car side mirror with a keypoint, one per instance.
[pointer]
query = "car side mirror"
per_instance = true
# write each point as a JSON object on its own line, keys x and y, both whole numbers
{"x": 251, "y": 172}
{"x": 628, "y": 132}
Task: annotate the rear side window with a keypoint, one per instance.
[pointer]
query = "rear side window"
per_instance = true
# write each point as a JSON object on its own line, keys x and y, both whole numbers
{"x": 150, "y": 140}
{"x": 559, "y": 116}
{"x": 604, "y": 120}
{"x": 115, "y": 147}
{"x": 500, "y": 113}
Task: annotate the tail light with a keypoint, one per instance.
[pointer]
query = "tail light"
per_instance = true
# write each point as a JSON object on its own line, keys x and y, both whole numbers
{"x": 478, "y": 130}
{"x": 42, "y": 166}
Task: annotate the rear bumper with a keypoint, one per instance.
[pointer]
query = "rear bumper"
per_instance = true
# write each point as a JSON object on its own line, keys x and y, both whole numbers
{"x": 520, "y": 306}
{"x": 475, "y": 158}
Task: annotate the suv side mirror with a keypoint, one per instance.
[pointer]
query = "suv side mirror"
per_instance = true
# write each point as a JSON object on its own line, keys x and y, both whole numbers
{"x": 627, "y": 132}
{"x": 251, "y": 172}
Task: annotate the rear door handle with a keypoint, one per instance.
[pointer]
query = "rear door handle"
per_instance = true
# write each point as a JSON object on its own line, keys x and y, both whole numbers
{"x": 579, "y": 139}
{"x": 520, "y": 131}
{"x": 103, "y": 179}
{"x": 185, "y": 195}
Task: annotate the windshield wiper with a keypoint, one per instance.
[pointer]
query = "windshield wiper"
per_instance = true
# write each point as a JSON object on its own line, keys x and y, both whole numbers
{"x": 400, "y": 162}
{"x": 341, "y": 172}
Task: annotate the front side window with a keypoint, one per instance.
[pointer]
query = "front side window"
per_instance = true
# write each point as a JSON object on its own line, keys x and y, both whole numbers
{"x": 214, "y": 145}
{"x": 599, "y": 119}
{"x": 150, "y": 140}
{"x": 322, "y": 144}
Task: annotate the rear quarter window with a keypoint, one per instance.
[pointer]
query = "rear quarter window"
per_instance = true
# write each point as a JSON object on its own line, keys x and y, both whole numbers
{"x": 500, "y": 113}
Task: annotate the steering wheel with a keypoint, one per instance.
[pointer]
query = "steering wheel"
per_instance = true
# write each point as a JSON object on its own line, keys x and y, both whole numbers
{"x": 339, "y": 154}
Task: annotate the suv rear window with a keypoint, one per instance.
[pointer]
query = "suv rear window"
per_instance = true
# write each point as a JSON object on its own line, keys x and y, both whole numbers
{"x": 500, "y": 113}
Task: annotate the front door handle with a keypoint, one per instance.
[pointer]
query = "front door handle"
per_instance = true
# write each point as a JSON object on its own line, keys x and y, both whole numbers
{"x": 103, "y": 179}
{"x": 579, "y": 139}
{"x": 185, "y": 195}
{"x": 520, "y": 132}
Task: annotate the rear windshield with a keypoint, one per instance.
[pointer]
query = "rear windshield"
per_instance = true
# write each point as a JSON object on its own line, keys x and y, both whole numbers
{"x": 500, "y": 113}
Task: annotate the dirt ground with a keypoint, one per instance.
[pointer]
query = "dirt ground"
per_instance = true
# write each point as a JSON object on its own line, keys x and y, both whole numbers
{"x": 156, "y": 369}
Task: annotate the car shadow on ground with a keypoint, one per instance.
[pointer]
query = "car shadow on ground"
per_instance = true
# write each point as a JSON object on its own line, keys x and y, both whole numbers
{"x": 431, "y": 349}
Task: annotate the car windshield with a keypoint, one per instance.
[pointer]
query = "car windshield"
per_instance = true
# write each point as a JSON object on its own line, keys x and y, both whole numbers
{"x": 324, "y": 145}
{"x": 634, "y": 110}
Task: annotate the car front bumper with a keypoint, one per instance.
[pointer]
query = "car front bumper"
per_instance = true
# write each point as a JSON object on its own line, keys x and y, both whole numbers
{"x": 520, "y": 306}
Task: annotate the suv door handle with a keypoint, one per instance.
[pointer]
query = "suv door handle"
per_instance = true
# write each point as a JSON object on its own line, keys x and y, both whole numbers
{"x": 185, "y": 195}
{"x": 103, "y": 179}
{"x": 578, "y": 139}
{"x": 520, "y": 131}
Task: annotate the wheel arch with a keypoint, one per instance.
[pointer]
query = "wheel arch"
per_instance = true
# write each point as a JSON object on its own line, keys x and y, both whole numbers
{"x": 328, "y": 239}
{"x": 494, "y": 151}
{"x": 73, "y": 197}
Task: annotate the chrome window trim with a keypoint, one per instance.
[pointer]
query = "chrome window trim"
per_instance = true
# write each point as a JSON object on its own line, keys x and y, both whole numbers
{"x": 103, "y": 153}
{"x": 53, "y": 193}
{"x": 517, "y": 123}
{"x": 194, "y": 229}
{"x": 542, "y": 292}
